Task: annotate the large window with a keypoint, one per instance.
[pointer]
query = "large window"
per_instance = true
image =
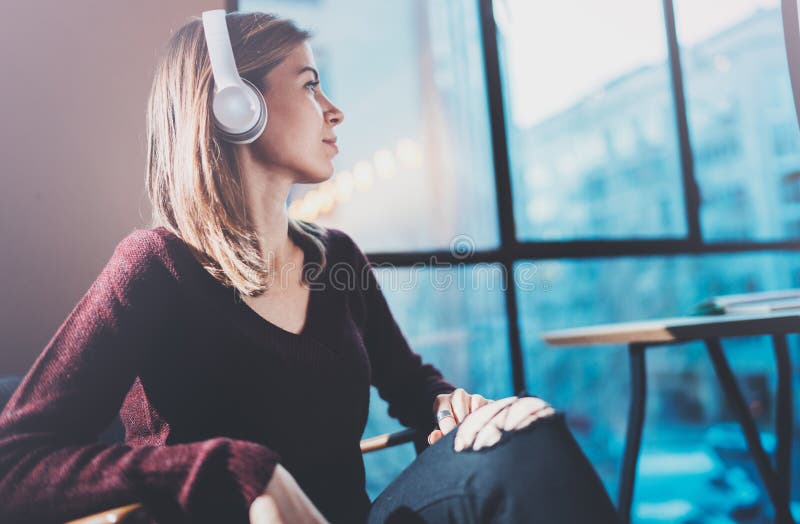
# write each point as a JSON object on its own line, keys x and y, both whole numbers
{"x": 612, "y": 161}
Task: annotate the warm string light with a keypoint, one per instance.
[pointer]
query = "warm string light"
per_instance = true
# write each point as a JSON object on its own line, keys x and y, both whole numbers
{"x": 385, "y": 164}
{"x": 362, "y": 174}
{"x": 409, "y": 153}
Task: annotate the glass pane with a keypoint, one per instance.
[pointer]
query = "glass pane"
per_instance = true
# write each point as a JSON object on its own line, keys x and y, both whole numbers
{"x": 415, "y": 166}
{"x": 742, "y": 121}
{"x": 590, "y": 120}
{"x": 694, "y": 466}
{"x": 455, "y": 319}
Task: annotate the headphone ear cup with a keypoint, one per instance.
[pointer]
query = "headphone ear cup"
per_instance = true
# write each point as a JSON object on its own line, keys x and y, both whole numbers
{"x": 239, "y": 113}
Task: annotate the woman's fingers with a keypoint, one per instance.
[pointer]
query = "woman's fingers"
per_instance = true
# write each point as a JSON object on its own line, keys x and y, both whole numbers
{"x": 476, "y": 421}
{"x": 488, "y": 436}
{"x": 435, "y": 435}
{"x": 453, "y": 408}
{"x": 476, "y": 402}
{"x": 522, "y": 409}
{"x": 546, "y": 412}
{"x": 445, "y": 418}
{"x": 499, "y": 420}
{"x": 477, "y": 414}
{"x": 460, "y": 403}
{"x": 487, "y": 419}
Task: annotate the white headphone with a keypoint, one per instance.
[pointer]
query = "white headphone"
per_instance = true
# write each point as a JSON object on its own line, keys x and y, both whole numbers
{"x": 238, "y": 109}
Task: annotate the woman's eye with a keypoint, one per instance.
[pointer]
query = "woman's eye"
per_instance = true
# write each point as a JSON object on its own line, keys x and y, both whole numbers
{"x": 313, "y": 85}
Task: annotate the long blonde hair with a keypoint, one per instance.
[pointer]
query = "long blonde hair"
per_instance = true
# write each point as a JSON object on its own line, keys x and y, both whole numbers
{"x": 192, "y": 178}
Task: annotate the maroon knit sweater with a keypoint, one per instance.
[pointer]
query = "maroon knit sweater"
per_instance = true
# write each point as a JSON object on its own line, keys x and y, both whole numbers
{"x": 212, "y": 395}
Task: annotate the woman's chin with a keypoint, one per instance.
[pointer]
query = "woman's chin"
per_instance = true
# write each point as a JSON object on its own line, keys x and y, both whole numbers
{"x": 322, "y": 175}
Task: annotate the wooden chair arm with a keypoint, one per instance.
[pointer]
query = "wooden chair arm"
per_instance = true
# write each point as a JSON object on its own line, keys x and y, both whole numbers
{"x": 387, "y": 440}
{"x": 122, "y": 515}
{"x": 131, "y": 513}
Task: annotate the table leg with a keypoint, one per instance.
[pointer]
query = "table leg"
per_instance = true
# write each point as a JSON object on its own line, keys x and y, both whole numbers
{"x": 760, "y": 457}
{"x": 633, "y": 438}
{"x": 784, "y": 423}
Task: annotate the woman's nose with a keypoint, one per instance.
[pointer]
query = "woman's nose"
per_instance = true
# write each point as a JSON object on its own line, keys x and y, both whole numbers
{"x": 334, "y": 115}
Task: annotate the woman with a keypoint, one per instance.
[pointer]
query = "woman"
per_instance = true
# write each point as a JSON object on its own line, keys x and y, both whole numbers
{"x": 238, "y": 362}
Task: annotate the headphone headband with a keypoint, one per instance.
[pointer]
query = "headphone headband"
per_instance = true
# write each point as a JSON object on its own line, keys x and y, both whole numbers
{"x": 220, "y": 51}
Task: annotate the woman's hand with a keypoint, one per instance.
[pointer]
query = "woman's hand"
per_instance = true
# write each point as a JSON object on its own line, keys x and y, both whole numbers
{"x": 451, "y": 409}
{"x": 283, "y": 502}
{"x": 482, "y": 428}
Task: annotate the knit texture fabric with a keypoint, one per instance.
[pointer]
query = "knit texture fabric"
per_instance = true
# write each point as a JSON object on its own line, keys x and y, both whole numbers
{"x": 211, "y": 394}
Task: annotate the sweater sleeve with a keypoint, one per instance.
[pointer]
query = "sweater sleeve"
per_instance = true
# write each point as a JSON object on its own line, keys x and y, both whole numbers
{"x": 401, "y": 377}
{"x": 52, "y": 468}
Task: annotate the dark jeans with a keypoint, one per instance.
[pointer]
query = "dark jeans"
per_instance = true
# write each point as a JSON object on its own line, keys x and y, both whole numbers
{"x": 534, "y": 475}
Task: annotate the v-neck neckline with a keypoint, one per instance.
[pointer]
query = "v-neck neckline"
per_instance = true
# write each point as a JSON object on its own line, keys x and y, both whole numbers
{"x": 257, "y": 317}
{"x": 257, "y": 327}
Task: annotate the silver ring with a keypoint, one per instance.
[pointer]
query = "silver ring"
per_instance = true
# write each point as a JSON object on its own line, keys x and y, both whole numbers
{"x": 443, "y": 414}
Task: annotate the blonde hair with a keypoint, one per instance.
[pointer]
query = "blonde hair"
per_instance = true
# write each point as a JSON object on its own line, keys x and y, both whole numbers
{"x": 192, "y": 178}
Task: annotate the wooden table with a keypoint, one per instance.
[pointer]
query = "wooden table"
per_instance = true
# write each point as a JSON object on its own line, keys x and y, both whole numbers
{"x": 641, "y": 335}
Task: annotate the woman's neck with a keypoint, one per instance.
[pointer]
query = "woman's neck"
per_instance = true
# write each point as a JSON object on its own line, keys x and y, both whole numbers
{"x": 266, "y": 191}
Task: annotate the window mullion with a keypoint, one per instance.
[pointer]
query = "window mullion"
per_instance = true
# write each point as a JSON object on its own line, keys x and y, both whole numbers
{"x": 691, "y": 190}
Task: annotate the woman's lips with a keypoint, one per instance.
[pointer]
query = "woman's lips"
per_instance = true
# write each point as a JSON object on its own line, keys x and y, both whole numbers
{"x": 332, "y": 143}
